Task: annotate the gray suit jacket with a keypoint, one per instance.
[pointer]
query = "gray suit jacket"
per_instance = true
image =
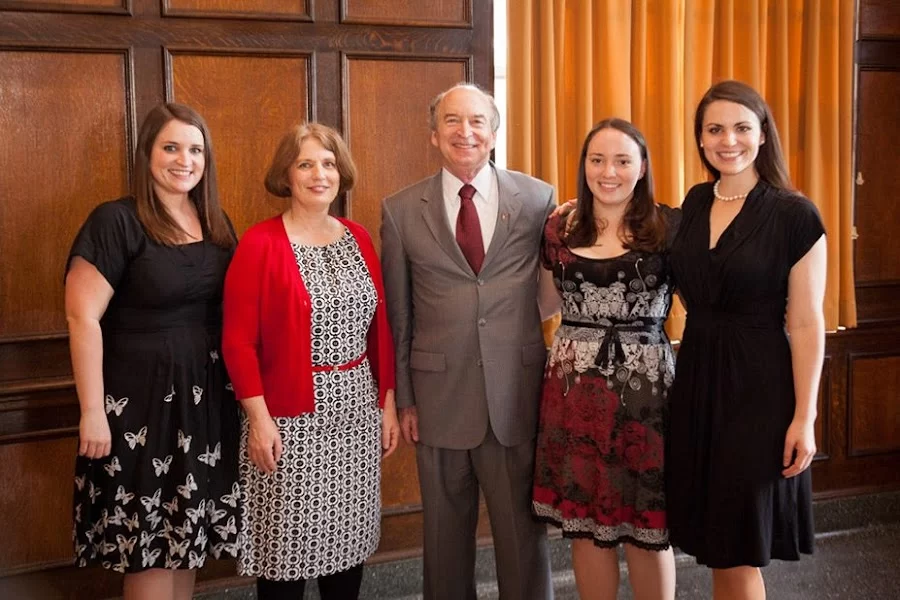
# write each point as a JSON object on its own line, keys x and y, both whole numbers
{"x": 470, "y": 351}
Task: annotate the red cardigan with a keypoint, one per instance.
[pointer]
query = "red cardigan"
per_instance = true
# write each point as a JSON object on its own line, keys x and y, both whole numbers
{"x": 267, "y": 320}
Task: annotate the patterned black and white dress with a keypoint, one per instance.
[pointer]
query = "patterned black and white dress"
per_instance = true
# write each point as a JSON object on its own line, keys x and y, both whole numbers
{"x": 320, "y": 512}
{"x": 166, "y": 496}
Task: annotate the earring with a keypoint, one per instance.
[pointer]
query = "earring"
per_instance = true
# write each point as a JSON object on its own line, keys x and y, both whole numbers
{"x": 701, "y": 144}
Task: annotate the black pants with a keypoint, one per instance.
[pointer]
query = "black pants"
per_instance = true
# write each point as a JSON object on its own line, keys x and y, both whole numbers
{"x": 343, "y": 585}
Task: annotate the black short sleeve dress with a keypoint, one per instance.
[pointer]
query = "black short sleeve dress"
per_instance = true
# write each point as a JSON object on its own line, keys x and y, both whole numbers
{"x": 167, "y": 495}
{"x": 733, "y": 396}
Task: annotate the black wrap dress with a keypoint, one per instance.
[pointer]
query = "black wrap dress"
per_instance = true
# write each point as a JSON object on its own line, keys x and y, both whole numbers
{"x": 733, "y": 396}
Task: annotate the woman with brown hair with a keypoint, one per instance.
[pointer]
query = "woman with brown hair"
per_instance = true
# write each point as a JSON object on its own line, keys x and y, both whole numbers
{"x": 599, "y": 464}
{"x": 156, "y": 476}
{"x": 309, "y": 350}
{"x": 749, "y": 261}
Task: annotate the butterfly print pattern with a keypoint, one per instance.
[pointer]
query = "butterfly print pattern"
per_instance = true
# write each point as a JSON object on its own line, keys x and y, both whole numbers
{"x": 174, "y": 519}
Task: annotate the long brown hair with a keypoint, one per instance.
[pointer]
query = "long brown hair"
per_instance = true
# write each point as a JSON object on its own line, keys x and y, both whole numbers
{"x": 770, "y": 163}
{"x": 644, "y": 227}
{"x": 157, "y": 221}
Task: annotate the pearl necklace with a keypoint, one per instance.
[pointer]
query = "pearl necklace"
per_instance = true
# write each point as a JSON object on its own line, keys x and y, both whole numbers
{"x": 726, "y": 198}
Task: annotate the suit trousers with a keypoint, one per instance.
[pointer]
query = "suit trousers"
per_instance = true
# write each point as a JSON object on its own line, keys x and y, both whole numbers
{"x": 450, "y": 480}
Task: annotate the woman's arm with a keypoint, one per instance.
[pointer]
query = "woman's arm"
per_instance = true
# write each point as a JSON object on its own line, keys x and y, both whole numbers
{"x": 806, "y": 328}
{"x": 390, "y": 425}
{"x": 87, "y": 295}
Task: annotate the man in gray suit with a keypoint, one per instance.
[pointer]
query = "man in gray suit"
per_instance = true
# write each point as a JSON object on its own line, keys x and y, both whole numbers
{"x": 460, "y": 254}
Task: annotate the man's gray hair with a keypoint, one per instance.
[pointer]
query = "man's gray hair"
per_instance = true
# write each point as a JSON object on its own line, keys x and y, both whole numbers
{"x": 436, "y": 102}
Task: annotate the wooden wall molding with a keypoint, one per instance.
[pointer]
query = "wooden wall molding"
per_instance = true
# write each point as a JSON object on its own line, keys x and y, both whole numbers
{"x": 112, "y": 7}
{"x": 268, "y": 10}
{"x": 408, "y": 14}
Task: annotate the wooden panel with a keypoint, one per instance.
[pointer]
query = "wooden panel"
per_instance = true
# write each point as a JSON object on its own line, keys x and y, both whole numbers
{"x": 879, "y": 19}
{"x": 399, "y": 479}
{"x": 877, "y": 302}
{"x": 33, "y": 360}
{"x": 401, "y": 152}
{"x": 245, "y": 9}
{"x": 423, "y": 13}
{"x": 89, "y": 6}
{"x": 37, "y": 515}
{"x": 65, "y": 149}
{"x": 874, "y": 411}
{"x": 877, "y": 218}
{"x": 249, "y": 101}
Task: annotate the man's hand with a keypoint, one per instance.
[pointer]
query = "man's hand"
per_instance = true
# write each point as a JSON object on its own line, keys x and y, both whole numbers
{"x": 409, "y": 424}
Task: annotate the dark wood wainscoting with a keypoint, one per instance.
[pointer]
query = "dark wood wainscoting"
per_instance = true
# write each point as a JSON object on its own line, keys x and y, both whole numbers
{"x": 77, "y": 77}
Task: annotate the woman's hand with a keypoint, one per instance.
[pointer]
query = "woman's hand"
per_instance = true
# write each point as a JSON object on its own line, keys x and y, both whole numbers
{"x": 566, "y": 207}
{"x": 390, "y": 426}
{"x": 799, "y": 447}
{"x": 264, "y": 444}
{"x": 95, "y": 440}
{"x": 263, "y": 440}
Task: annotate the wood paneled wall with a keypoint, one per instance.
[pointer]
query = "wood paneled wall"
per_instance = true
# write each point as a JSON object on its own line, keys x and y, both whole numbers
{"x": 859, "y": 409}
{"x": 76, "y": 79}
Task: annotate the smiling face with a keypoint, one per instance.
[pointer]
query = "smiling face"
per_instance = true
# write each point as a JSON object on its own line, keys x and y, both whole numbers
{"x": 314, "y": 178}
{"x": 463, "y": 132}
{"x": 177, "y": 160}
{"x": 612, "y": 167}
{"x": 731, "y": 135}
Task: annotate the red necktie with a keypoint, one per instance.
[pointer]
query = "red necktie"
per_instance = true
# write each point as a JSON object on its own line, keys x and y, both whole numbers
{"x": 468, "y": 229}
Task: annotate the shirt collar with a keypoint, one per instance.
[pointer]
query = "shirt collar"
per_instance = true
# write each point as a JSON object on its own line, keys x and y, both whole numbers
{"x": 482, "y": 182}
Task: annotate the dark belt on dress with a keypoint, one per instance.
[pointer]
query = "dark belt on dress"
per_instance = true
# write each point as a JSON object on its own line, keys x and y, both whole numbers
{"x": 611, "y": 329}
{"x": 344, "y": 367}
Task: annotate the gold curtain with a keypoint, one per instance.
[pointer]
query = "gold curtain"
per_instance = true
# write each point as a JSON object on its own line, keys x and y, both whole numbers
{"x": 574, "y": 62}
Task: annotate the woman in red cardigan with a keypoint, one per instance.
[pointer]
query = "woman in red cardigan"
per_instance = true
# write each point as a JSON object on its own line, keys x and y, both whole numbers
{"x": 309, "y": 351}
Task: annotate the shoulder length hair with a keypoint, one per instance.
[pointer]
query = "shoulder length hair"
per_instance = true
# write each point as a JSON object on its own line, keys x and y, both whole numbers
{"x": 770, "y": 164}
{"x": 277, "y": 181}
{"x": 642, "y": 225}
{"x": 157, "y": 221}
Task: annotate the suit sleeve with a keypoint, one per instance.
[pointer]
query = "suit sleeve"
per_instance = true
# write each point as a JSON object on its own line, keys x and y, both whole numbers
{"x": 241, "y": 318}
{"x": 395, "y": 270}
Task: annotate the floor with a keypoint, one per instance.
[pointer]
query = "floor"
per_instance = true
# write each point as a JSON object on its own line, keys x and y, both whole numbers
{"x": 857, "y": 557}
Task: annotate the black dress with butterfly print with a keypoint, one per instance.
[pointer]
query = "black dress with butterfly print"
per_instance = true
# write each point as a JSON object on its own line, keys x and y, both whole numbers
{"x": 167, "y": 495}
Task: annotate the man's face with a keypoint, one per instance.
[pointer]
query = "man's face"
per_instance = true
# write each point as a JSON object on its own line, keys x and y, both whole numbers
{"x": 464, "y": 134}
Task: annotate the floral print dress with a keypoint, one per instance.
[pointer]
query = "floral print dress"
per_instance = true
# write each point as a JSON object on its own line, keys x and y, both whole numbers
{"x": 599, "y": 462}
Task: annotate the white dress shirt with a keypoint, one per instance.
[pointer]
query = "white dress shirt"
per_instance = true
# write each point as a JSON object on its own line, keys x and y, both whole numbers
{"x": 486, "y": 200}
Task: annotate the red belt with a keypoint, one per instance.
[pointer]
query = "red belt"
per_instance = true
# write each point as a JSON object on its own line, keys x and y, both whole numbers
{"x": 344, "y": 367}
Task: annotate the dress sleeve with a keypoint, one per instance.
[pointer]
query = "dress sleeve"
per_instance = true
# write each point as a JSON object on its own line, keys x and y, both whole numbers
{"x": 804, "y": 228}
{"x": 672, "y": 218}
{"x": 108, "y": 240}
{"x": 550, "y": 243}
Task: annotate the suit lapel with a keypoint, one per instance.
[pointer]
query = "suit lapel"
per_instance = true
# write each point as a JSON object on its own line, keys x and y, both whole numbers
{"x": 435, "y": 216}
{"x": 508, "y": 210}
